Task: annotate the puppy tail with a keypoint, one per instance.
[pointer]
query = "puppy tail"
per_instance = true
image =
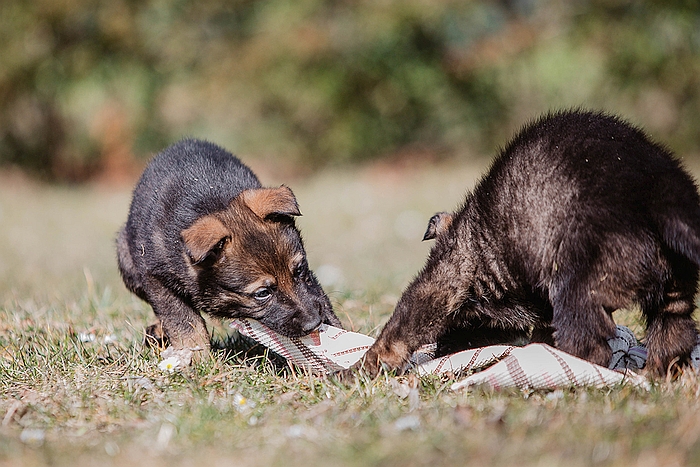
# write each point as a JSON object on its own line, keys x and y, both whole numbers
{"x": 682, "y": 235}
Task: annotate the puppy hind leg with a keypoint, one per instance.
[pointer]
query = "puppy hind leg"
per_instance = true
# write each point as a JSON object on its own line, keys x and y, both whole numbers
{"x": 127, "y": 269}
{"x": 670, "y": 339}
{"x": 671, "y": 330}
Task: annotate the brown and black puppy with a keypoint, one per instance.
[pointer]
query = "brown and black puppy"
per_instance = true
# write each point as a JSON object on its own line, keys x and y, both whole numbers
{"x": 204, "y": 236}
{"x": 579, "y": 215}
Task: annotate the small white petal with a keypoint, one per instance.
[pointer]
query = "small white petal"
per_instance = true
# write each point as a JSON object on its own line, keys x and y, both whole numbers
{"x": 86, "y": 337}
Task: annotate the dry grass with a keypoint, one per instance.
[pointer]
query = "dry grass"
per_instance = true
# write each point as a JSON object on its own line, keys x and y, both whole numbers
{"x": 77, "y": 388}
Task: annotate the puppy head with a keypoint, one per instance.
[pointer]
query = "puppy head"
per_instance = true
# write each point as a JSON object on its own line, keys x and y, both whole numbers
{"x": 249, "y": 261}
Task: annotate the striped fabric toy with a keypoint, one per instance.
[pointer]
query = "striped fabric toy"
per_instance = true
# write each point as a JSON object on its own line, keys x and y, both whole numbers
{"x": 535, "y": 366}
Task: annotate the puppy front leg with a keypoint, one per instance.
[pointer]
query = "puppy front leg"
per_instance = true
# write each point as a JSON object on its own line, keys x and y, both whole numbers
{"x": 183, "y": 327}
{"x": 413, "y": 324}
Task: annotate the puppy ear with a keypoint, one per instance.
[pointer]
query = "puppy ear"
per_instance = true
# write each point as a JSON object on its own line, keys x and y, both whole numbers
{"x": 271, "y": 202}
{"x": 205, "y": 240}
{"x": 437, "y": 224}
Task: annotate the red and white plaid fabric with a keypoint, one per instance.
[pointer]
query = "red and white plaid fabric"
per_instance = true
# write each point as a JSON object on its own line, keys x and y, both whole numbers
{"x": 324, "y": 350}
{"x": 539, "y": 366}
{"x": 535, "y": 366}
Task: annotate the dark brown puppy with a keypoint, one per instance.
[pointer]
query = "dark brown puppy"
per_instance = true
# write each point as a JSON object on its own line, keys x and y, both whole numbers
{"x": 579, "y": 215}
{"x": 204, "y": 236}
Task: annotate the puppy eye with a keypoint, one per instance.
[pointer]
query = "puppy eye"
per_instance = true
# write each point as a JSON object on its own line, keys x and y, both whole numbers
{"x": 300, "y": 270}
{"x": 262, "y": 294}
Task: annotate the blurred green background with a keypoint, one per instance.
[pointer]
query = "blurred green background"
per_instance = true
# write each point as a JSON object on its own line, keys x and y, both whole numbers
{"x": 92, "y": 88}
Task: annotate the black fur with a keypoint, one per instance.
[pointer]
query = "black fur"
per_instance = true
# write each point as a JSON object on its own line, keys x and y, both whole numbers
{"x": 580, "y": 215}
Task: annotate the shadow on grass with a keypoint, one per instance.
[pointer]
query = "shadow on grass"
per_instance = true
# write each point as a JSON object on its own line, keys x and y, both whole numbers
{"x": 235, "y": 348}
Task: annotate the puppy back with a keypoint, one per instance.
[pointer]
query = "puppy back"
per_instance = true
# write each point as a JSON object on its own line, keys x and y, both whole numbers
{"x": 185, "y": 181}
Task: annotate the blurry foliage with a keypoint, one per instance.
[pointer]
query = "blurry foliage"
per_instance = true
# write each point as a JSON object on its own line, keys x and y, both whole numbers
{"x": 87, "y": 87}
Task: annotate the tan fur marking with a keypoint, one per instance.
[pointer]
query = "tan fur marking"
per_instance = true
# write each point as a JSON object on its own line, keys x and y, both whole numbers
{"x": 265, "y": 281}
{"x": 201, "y": 236}
{"x": 395, "y": 356}
{"x": 266, "y": 201}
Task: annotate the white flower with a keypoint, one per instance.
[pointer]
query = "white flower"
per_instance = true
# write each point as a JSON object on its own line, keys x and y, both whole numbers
{"x": 86, "y": 337}
{"x": 242, "y": 403}
{"x": 175, "y": 359}
{"x": 109, "y": 339}
{"x": 169, "y": 364}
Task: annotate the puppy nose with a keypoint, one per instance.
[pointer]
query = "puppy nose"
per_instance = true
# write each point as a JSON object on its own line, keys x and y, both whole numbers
{"x": 310, "y": 324}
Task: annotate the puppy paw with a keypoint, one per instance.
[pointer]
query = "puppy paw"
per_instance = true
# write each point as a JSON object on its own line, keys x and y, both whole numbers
{"x": 346, "y": 377}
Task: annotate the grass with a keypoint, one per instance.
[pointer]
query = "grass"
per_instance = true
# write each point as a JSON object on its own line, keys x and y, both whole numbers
{"x": 77, "y": 387}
